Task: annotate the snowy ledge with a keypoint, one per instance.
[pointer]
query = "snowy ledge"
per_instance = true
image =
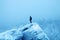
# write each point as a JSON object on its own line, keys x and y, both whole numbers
{"x": 28, "y": 32}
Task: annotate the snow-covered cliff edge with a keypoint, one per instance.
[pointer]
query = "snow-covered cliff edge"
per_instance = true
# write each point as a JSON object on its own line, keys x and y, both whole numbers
{"x": 28, "y": 32}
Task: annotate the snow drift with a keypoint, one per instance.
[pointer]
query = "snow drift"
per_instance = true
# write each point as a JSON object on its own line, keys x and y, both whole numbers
{"x": 28, "y": 32}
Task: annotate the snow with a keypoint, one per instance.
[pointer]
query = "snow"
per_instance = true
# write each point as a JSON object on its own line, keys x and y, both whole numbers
{"x": 52, "y": 29}
{"x": 11, "y": 34}
{"x": 28, "y": 32}
{"x": 34, "y": 33}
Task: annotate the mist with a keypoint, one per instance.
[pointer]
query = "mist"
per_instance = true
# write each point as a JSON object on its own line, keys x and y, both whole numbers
{"x": 14, "y": 13}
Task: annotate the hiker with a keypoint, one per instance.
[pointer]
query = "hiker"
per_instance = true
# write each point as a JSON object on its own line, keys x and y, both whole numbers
{"x": 30, "y": 19}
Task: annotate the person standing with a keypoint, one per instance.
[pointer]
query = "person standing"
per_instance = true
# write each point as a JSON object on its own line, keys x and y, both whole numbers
{"x": 30, "y": 19}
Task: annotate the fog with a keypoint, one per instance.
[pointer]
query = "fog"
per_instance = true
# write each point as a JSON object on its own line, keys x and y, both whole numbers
{"x": 14, "y": 13}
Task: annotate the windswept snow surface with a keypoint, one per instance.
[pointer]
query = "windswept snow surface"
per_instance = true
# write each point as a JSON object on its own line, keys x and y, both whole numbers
{"x": 11, "y": 35}
{"x": 28, "y": 32}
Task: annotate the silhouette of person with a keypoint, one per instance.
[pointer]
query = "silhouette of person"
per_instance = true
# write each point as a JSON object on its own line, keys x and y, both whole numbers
{"x": 30, "y": 19}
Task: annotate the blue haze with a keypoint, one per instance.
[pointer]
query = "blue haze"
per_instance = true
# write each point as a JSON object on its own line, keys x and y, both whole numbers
{"x": 14, "y": 13}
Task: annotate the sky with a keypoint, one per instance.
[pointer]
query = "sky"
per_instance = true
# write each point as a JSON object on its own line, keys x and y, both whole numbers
{"x": 15, "y": 12}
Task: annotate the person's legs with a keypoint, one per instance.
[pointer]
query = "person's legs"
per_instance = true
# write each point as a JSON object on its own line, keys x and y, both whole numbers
{"x": 31, "y": 21}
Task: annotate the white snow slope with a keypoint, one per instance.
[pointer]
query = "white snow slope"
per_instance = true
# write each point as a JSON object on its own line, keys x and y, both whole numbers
{"x": 28, "y": 32}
